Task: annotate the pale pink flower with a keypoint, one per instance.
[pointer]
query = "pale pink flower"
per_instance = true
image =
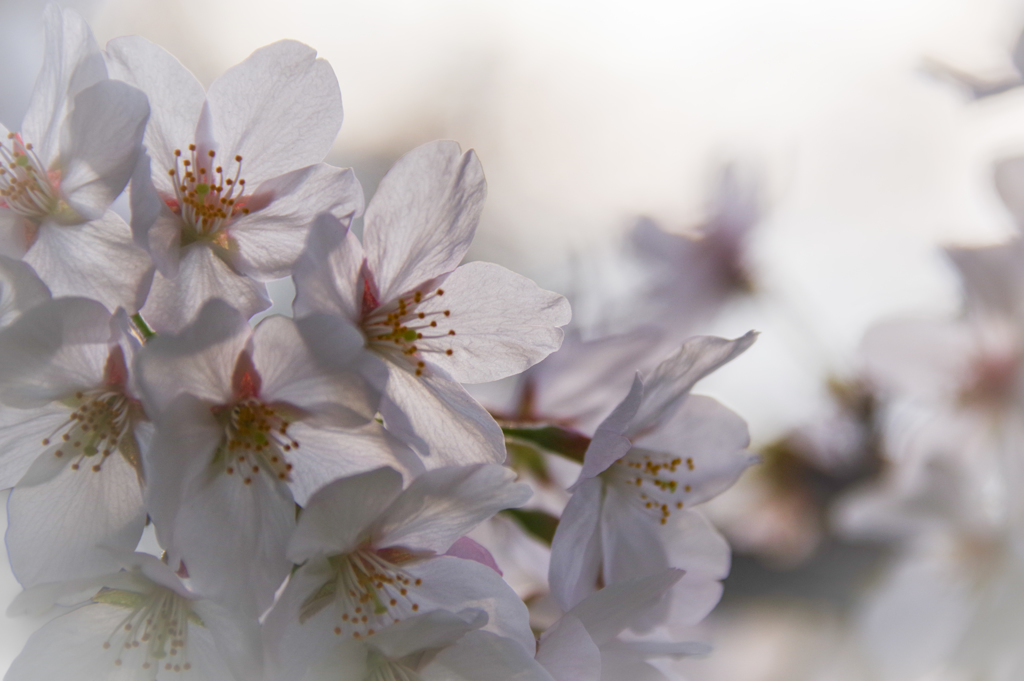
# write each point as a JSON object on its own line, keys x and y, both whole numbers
{"x": 248, "y": 424}
{"x": 141, "y": 623}
{"x": 78, "y": 144}
{"x": 71, "y": 430}
{"x": 372, "y": 554}
{"x": 436, "y": 324}
{"x": 658, "y": 454}
{"x": 233, "y": 176}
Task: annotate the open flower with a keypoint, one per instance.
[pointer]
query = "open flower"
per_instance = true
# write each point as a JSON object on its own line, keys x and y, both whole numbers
{"x": 78, "y": 144}
{"x": 247, "y": 424}
{"x": 71, "y": 427}
{"x": 435, "y": 323}
{"x": 660, "y": 452}
{"x": 373, "y": 555}
{"x": 587, "y": 644}
{"x": 141, "y": 623}
{"x": 233, "y": 176}
{"x": 435, "y": 646}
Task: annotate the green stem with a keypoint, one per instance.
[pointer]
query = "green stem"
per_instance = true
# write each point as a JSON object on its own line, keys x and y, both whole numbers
{"x": 565, "y": 442}
{"x": 142, "y": 326}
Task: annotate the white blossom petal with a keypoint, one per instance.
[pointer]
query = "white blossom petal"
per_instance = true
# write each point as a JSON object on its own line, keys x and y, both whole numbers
{"x": 55, "y": 529}
{"x": 421, "y": 220}
{"x": 568, "y": 653}
{"x": 271, "y": 239}
{"x": 176, "y": 97}
{"x": 608, "y": 612}
{"x": 432, "y": 630}
{"x": 202, "y": 275}
{"x": 337, "y": 516}
{"x": 503, "y": 323}
{"x": 576, "y": 553}
{"x": 280, "y": 109}
{"x": 101, "y": 139}
{"x": 72, "y": 62}
{"x": 482, "y": 656}
{"x": 443, "y": 504}
{"x": 327, "y": 275}
{"x": 21, "y": 434}
{"x": 17, "y": 233}
{"x": 96, "y": 259}
{"x": 20, "y": 289}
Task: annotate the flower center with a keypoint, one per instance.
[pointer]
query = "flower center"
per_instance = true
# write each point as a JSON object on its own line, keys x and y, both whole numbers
{"x": 204, "y": 197}
{"x": 25, "y": 186}
{"x": 255, "y": 439}
{"x": 102, "y": 423}
{"x": 406, "y": 334}
{"x": 655, "y": 478}
{"x": 155, "y": 631}
{"x": 369, "y": 590}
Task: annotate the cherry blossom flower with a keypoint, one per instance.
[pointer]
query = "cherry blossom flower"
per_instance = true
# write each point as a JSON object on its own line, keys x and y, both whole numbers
{"x": 435, "y": 646}
{"x": 248, "y": 424}
{"x": 20, "y": 289}
{"x": 71, "y": 430}
{"x": 587, "y": 643}
{"x": 435, "y": 323}
{"x": 658, "y": 454}
{"x": 141, "y": 623}
{"x": 372, "y": 554}
{"x": 233, "y": 176}
{"x": 78, "y": 144}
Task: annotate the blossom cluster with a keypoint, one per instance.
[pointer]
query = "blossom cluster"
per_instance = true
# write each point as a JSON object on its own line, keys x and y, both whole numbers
{"x": 313, "y": 481}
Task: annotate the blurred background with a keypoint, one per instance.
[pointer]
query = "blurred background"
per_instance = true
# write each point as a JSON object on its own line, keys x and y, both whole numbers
{"x": 840, "y": 142}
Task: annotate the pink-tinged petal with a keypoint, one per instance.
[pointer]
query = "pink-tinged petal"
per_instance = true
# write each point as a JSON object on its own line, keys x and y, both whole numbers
{"x": 327, "y": 276}
{"x": 280, "y": 109}
{"x": 337, "y": 516}
{"x": 443, "y": 504}
{"x": 17, "y": 233}
{"x": 609, "y": 444}
{"x": 100, "y": 145}
{"x": 421, "y": 220}
{"x": 52, "y": 351}
{"x": 97, "y": 260}
{"x": 20, "y": 289}
{"x": 437, "y": 417}
{"x": 72, "y": 62}
{"x": 176, "y": 98}
{"x": 671, "y": 381}
{"x": 290, "y": 373}
{"x": 327, "y": 454}
{"x": 453, "y": 584}
{"x": 568, "y": 653}
{"x": 576, "y": 548}
{"x": 271, "y": 239}
{"x": 55, "y": 529}
{"x": 614, "y": 608}
{"x": 503, "y": 323}
{"x": 202, "y": 275}
{"x": 21, "y": 434}
{"x": 199, "y": 360}
{"x": 482, "y": 656}
{"x": 709, "y": 442}
{"x": 468, "y": 549}
{"x": 429, "y": 631}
